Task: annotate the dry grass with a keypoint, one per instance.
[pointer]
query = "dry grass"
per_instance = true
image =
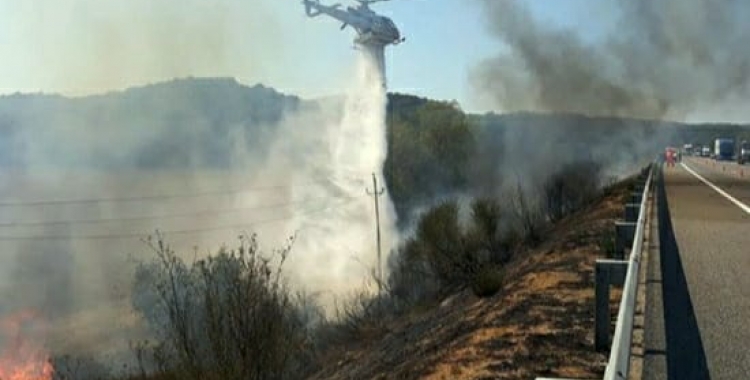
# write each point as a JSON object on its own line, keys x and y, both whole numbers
{"x": 540, "y": 324}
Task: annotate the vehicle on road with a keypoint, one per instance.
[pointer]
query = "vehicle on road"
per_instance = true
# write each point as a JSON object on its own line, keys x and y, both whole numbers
{"x": 688, "y": 149}
{"x": 743, "y": 154}
{"x": 670, "y": 156}
{"x": 723, "y": 149}
{"x": 705, "y": 151}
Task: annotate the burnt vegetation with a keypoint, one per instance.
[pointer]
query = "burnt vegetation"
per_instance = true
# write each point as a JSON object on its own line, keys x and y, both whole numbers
{"x": 571, "y": 188}
{"x": 231, "y": 316}
{"x": 473, "y": 193}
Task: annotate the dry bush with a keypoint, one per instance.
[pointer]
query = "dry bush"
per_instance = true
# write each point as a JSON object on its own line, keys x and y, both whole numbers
{"x": 411, "y": 279}
{"x": 359, "y": 318}
{"x": 528, "y": 215}
{"x": 489, "y": 235}
{"x": 444, "y": 256}
{"x": 571, "y": 188}
{"x": 440, "y": 242}
{"x": 488, "y": 281}
{"x": 227, "y": 317}
{"x": 439, "y": 249}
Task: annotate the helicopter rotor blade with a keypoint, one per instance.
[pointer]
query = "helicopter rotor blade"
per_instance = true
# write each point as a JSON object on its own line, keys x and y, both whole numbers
{"x": 366, "y": 2}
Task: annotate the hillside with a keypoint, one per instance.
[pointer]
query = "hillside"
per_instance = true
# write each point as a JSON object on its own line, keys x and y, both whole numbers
{"x": 540, "y": 324}
{"x": 524, "y": 172}
{"x": 434, "y": 148}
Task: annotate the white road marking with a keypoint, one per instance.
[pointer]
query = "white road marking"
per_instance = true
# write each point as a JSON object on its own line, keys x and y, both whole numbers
{"x": 726, "y": 195}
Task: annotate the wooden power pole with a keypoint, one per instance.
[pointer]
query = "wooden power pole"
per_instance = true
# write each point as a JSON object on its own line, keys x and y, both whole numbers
{"x": 376, "y": 194}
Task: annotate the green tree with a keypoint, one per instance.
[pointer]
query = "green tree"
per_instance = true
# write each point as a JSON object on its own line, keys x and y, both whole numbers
{"x": 430, "y": 147}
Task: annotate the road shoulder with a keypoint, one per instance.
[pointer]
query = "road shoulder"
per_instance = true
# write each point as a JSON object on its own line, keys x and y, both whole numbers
{"x": 653, "y": 355}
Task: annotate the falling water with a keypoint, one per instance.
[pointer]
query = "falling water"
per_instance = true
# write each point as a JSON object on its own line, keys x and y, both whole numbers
{"x": 335, "y": 250}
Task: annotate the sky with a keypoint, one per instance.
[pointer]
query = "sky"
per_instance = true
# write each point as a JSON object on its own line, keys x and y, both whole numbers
{"x": 85, "y": 47}
{"x": 82, "y": 47}
{"x": 447, "y": 38}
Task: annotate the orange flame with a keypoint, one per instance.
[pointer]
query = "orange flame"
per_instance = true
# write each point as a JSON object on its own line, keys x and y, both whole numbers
{"x": 22, "y": 356}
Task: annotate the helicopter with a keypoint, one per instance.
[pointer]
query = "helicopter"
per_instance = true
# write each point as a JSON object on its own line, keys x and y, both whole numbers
{"x": 372, "y": 28}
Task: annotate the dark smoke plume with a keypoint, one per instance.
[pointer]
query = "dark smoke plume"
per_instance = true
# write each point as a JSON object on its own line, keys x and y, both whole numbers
{"x": 661, "y": 59}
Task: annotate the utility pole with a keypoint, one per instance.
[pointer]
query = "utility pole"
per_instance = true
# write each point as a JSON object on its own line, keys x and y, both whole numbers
{"x": 376, "y": 194}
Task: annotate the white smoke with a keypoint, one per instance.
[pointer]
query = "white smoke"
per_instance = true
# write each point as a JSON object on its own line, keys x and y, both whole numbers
{"x": 327, "y": 155}
{"x": 335, "y": 247}
{"x": 321, "y": 156}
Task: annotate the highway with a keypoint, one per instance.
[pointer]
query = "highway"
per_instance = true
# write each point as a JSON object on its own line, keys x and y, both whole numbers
{"x": 698, "y": 288}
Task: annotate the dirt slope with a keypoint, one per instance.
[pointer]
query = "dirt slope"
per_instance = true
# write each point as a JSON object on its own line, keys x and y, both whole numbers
{"x": 541, "y": 324}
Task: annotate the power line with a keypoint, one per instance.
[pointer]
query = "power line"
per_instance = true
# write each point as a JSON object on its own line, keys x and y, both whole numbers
{"x": 155, "y": 217}
{"x": 156, "y": 197}
{"x": 173, "y": 232}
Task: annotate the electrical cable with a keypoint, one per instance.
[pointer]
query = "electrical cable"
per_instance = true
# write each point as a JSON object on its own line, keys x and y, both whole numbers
{"x": 173, "y": 232}
{"x": 155, "y": 217}
{"x": 156, "y": 197}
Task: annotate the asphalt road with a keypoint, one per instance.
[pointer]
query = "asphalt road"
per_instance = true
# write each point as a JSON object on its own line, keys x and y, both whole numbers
{"x": 698, "y": 320}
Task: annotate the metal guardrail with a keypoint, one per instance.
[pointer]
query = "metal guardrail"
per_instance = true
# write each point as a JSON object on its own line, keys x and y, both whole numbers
{"x": 618, "y": 365}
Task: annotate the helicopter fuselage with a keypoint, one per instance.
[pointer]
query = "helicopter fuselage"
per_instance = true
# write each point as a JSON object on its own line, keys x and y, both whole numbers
{"x": 371, "y": 27}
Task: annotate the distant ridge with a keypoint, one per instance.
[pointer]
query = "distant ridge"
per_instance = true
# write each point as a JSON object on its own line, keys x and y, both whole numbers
{"x": 202, "y": 121}
{"x": 186, "y": 122}
{"x": 184, "y": 83}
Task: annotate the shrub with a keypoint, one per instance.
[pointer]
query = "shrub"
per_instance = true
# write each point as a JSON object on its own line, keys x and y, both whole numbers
{"x": 529, "y": 216}
{"x": 229, "y": 316}
{"x": 487, "y": 236}
{"x": 443, "y": 257}
{"x": 360, "y": 317}
{"x": 411, "y": 279}
{"x": 571, "y": 188}
{"x": 440, "y": 242}
{"x": 487, "y": 281}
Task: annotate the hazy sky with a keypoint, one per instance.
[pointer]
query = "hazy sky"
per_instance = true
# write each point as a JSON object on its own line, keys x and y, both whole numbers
{"x": 79, "y": 47}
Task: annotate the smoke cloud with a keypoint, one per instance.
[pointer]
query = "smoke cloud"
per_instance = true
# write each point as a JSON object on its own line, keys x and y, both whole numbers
{"x": 661, "y": 59}
{"x": 303, "y": 172}
{"x": 203, "y": 160}
{"x": 335, "y": 244}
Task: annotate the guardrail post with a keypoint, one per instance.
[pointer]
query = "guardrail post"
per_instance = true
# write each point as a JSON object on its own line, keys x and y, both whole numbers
{"x": 606, "y": 273}
{"x": 601, "y": 311}
{"x": 616, "y": 272}
{"x": 624, "y": 235}
{"x": 635, "y": 197}
{"x": 631, "y": 212}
